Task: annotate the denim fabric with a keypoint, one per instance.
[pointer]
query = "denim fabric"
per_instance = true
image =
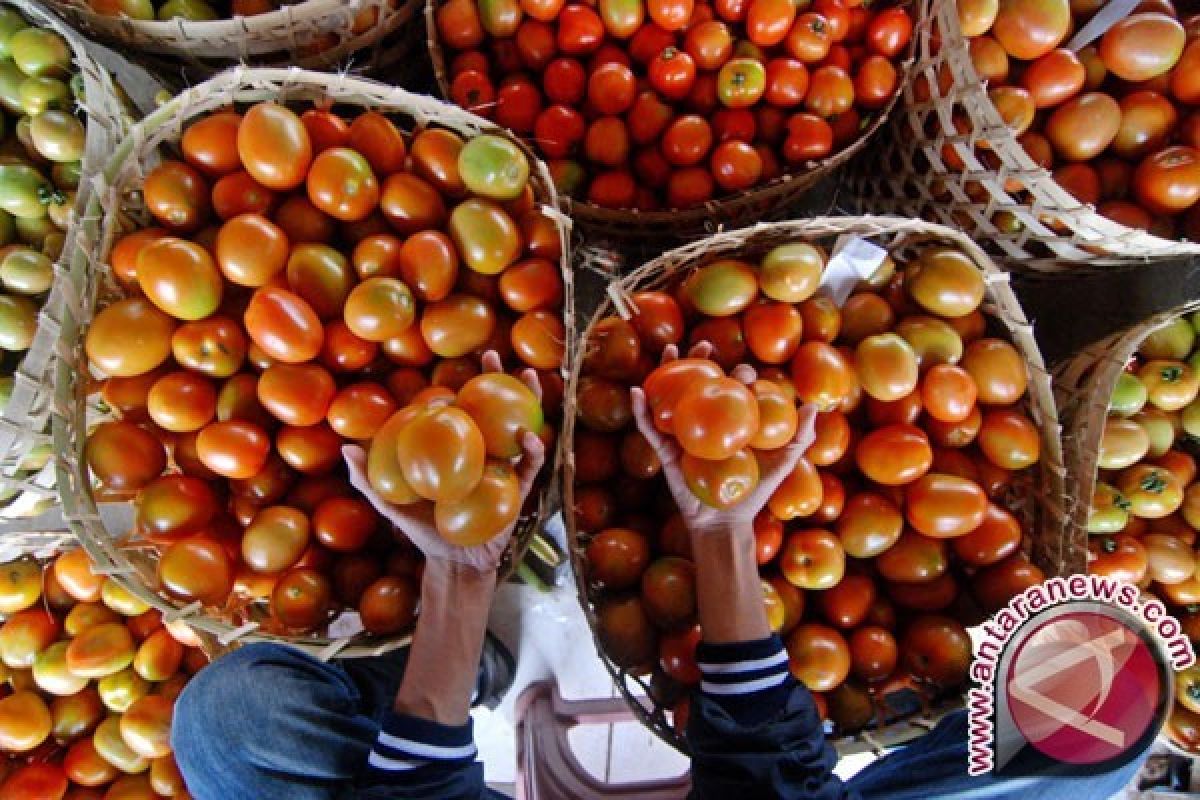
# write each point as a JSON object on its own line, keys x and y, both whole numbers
{"x": 270, "y": 722}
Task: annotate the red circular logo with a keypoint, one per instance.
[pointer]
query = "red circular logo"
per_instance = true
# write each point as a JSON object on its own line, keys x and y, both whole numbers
{"x": 1083, "y": 687}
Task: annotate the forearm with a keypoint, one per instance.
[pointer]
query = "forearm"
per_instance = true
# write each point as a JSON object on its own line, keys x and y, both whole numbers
{"x": 443, "y": 662}
{"x": 729, "y": 593}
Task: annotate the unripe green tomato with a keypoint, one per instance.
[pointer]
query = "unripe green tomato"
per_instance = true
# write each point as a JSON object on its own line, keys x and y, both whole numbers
{"x": 58, "y": 136}
{"x": 26, "y": 271}
{"x": 493, "y": 167}
{"x": 24, "y": 191}
{"x": 194, "y": 10}
{"x": 1128, "y": 397}
{"x": 38, "y": 52}
{"x": 42, "y": 94}
{"x": 10, "y": 23}
{"x": 1173, "y": 341}
{"x": 67, "y": 175}
{"x": 1110, "y": 510}
{"x": 34, "y": 230}
{"x": 11, "y": 79}
{"x": 18, "y": 322}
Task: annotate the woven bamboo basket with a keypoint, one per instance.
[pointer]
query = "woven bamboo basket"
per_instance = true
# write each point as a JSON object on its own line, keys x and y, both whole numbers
{"x": 26, "y": 477}
{"x": 1083, "y": 386}
{"x": 908, "y": 174}
{"x": 363, "y": 35}
{"x": 771, "y": 201}
{"x": 1040, "y": 503}
{"x": 132, "y": 561}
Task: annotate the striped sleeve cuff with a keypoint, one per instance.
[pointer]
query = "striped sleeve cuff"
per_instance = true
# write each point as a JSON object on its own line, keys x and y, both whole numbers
{"x": 750, "y": 680}
{"x": 409, "y": 743}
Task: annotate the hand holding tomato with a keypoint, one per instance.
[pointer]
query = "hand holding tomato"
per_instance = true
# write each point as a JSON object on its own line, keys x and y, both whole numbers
{"x": 417, "y": 521}
{"x": 774, "y": 465}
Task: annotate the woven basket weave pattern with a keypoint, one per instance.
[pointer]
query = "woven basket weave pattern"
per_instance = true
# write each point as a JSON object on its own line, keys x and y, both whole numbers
{"x": 116, "y": 198}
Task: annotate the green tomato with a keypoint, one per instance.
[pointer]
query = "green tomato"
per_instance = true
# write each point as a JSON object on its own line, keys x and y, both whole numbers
{"x": 67, "y": 175}
{"x": 59, "y": 209}
{"x": 38, "y": 52}
{"x": 1194, "y": 318}
{"x": 194, "y": 10}
{"x": 10, "y": 23}
{"x": 34, "y": 230}
{"x": 1110, "y": 510}
{"x": 11, "y": 80}
{"x": 1190, "y": 419}
{"x": 723, "y": 288}
{"x": 1129, "y": 396}
{"x": 24, "y": 192}
{"x": 58, "y": 136}
{"x": 1161, "y": 427}
{"x": 53, "y": 244}
{"x": 135, "y": 9}
{"x": 741, "y": 82}
{"x": 42, "y": 94}
{"x": 18, "y": 322}
{"x": 7, "y": 229}
{"x": 493, "y": 167}
{"x": 1173, "y": 341}
{"x": 1123, "y": 444}
{"x": 26, "y": 271}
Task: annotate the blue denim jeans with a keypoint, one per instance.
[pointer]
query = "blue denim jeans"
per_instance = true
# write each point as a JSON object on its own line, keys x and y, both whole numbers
{"x": 270, "y": 722}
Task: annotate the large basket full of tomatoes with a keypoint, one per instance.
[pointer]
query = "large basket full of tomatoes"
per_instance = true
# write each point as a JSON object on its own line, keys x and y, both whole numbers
{"x": 91, "y": 675}
{"x": 202, "y": 37}
{"x": 931, "y": 494}
{"x": 1131, "y": 420}
{"x": 62, "y": 118}
{"x": 311, "y": 256}
{"x": 1063, "y": 136}
{"x": 675, "y": 118}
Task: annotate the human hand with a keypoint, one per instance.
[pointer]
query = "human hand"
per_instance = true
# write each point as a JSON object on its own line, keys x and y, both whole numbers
{"x": 416, "y": 521}
{"x": 774, "y": 465}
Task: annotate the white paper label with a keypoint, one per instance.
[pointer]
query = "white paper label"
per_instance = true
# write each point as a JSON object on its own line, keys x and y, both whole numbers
{"x": 347, "y": 624}
{"x": 854, "y": 259}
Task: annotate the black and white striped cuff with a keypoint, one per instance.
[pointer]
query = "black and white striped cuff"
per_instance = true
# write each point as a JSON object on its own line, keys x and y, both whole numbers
{"x": 407, "y": 743}
{"x": 742, "y": 668}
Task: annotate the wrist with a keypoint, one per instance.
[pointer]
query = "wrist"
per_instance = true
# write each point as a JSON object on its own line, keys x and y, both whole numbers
{"x": 444, "y": 572}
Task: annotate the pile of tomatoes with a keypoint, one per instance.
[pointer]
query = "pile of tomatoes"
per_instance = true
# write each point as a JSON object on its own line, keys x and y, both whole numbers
{"x": 1117, "y": 123}
{"x": 90, "y": 677}
{"x": 306, "y": 277}
{"x": 42, "y": 144}
{"x": 1146, "y": 504}
{"x": 667, "y": 104}
{"x": 893, "y": 529}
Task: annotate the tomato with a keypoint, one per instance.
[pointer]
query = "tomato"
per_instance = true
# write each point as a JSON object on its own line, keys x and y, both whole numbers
{"x": 434, "y": 154}
{"x": 894, "y": 455}
{"x": 709, "y": 44}
{"x": 321, "y": 276}
{"x": 301, "y": 599}
{"x": 670, "y": 15}
{"x": 129, "y": 338}
{"x": 830, "y": 91}
{"x": 488, "y": 510}
{"x": 196, "y": 568}
{"x": 886, "y": 366}
{"x": 998, "y": 370}
{"x": 1170, "y": 559}
{"x": 538, "y": 338}
{"x": 945, "y": 506}
{"x": 1028, "y": 29}
{"x": 873, "y": 653}
{"x": 994, "y": 586}
{"x": 411, "y": 203}
{"x": 818, "y": 656}
{"x": 809, "y": 38}
{"x": 458, "y": 24}
{"x": 791, "y": 273}
{"x": 800, "y": 494}
{"x": 1168, "y": 181}
{"x": 1142, "y": 46}
{"x": 283, "y": 325}
{"x": 1009, "y": 439}
{"x": 914, "y": 558}
{"x": 668, "y": 592}
{"x": 379, "y": 309}
{"x": 845, "y": 605}
{"x": 1081, "y": 128}
{"x": 175, "y": 504}
{"x": 441, "y": 454}
{"x": 721, "y": 484}
{"x": 1185, "y": 85}
{"x": 889, "y": 32}
{"x": 123, "y": 457}
{"x": 177, "y": 196}
{"x": 812, "y": 559}
{"x": 379, "y": 141}
{"x": 238, "y": 193}
{"x": 869, "y": 524}
{"x": 944, "y": 281}
{"x": 210, "y": 143}
{"x": 1147, "y": 121}
{"x": 1054, "y": 78}
{"x": 713, "y": 420}
{"x": 625, "y": 630}
{"x": 158, "y": 657}
{"x": 274, "y": 146}
{"x": 821, "y": 375}
{"x": 768, "y": 21}
{"x": 937, "y": 649}
{"x": 388, "y": 605}
{"x": 616, "y": 558}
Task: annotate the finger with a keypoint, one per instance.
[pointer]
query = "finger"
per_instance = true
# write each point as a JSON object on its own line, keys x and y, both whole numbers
{"x": 701, "y": 350}
{"x": 491, "y": 362}
{"x": 806, "y": 425}
{"x": 670, "y": 353}
{"x": 529, "y": 377}
{"x": 531, "y": 463}
{"x": 641, "y": 415}
{"x": 744, "y": 373}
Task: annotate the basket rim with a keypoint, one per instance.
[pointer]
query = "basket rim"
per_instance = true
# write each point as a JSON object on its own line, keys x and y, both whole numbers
{"x": 1000, "y": 304}
{"x": 798, "y": 178}
{"x": 242, "y": 84}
